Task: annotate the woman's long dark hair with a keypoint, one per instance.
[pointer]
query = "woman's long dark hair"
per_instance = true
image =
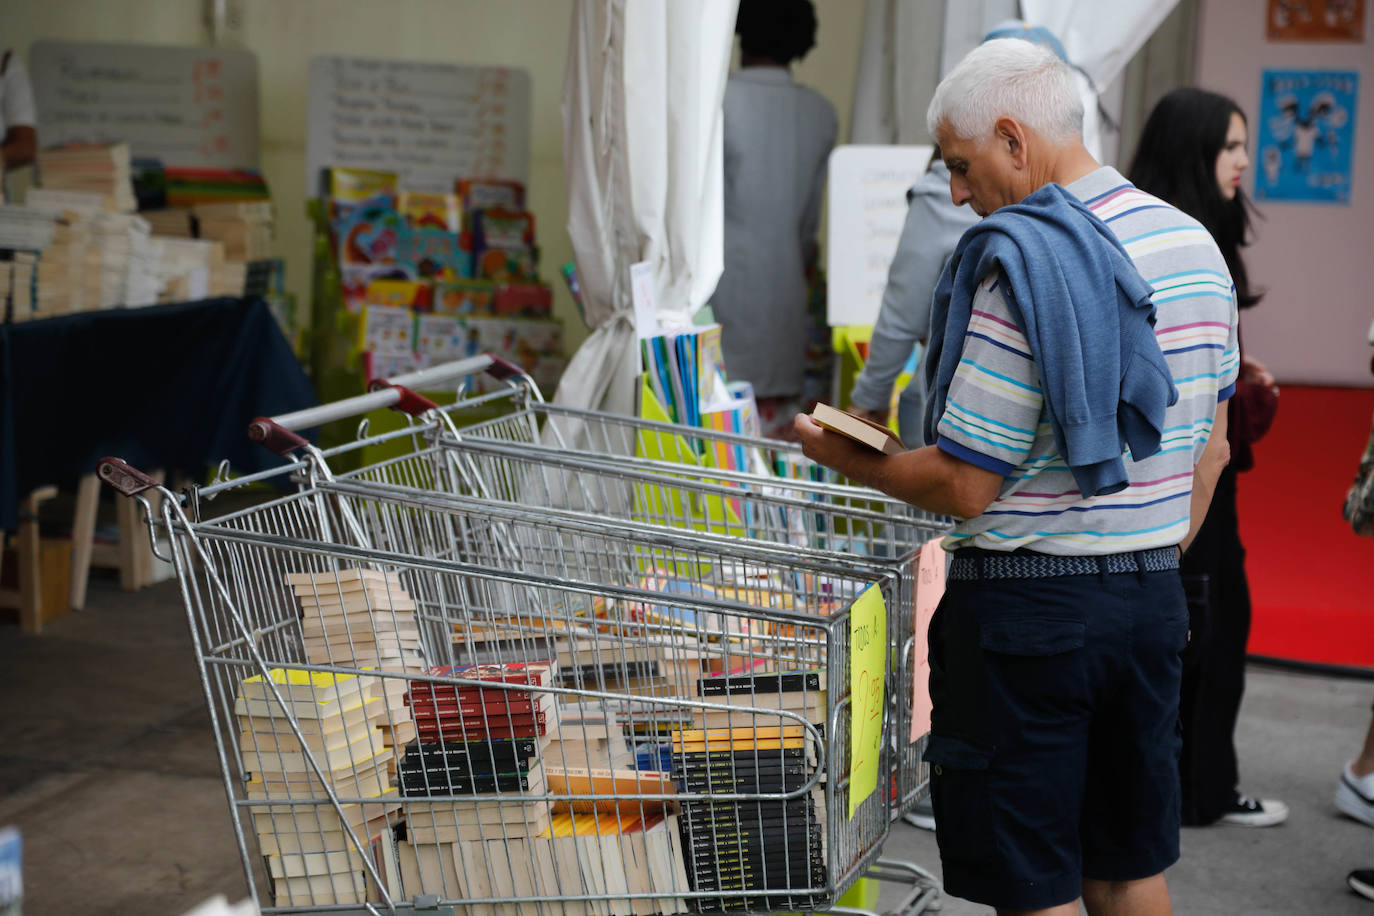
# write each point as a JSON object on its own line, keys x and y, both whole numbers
{"x": 1176, "y": 160}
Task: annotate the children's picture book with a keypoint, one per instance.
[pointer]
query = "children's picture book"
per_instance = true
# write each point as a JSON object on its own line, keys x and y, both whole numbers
{"x": 428, "y": 210}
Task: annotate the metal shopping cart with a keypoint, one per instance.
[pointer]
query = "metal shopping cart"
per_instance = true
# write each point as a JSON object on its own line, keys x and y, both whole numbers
{"x": 522, "y": 456}
{"x": 295, "y": 608}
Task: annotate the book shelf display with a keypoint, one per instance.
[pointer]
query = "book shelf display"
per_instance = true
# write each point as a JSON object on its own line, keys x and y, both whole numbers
{"x": 405, "y": 279}
{"x": 616, "y": 715}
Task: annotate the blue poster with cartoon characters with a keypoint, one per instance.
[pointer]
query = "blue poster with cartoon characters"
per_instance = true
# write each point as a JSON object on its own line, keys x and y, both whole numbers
{"x": 1306, "y": 130}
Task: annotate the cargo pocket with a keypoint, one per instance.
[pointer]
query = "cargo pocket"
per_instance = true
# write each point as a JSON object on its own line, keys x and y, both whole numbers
{"x": 959, "y": 797}
{"x": 1031, "y": 636}
{"x": 1035, "y": 658}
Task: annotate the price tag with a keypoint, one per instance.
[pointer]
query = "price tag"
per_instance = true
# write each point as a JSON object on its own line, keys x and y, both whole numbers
{"x": 867, "y": 677}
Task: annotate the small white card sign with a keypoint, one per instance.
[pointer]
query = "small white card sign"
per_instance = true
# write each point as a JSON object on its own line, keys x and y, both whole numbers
{"x": 867, "y": 206}
{"x": 642, "y": 294}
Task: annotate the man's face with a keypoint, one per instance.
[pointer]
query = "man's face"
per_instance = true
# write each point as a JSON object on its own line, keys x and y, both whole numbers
{"x": 982, "y": 173}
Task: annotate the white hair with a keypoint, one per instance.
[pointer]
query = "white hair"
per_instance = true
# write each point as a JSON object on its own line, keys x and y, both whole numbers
{"x": 1008, "y": 78}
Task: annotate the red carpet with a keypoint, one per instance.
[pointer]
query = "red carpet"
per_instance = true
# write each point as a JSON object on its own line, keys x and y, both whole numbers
{"x": 1311, "y": 577}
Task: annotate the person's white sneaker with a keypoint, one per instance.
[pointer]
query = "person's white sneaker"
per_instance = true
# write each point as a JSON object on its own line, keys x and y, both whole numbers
{"x": 922, "y": 815}
{"x": 1355, "y": 795}
{"x": 1255, "y": 812}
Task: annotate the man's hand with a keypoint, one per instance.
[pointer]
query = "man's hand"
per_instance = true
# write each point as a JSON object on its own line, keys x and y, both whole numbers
{"x": 1254, "y": 372}
{"x": 873, "y": 416}
{"x": 830, "y": 449}
{"x": 927, "y": 477}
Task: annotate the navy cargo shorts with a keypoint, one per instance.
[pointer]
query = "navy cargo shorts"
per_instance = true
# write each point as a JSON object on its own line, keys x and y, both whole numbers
{"x": 1054, "y": 738}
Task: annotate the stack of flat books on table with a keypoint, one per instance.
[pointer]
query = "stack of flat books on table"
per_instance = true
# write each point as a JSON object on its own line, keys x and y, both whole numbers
{"x": 102, "y": 168}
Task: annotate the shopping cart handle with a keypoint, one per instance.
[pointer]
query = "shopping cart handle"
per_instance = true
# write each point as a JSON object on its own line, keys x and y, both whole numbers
{"x": 125, "y": 478}
{"x": 434, "y": 377}
{"x": 502, "y": 369}
{"x": 410, "y": 402}
{"x": 275, "y": 437}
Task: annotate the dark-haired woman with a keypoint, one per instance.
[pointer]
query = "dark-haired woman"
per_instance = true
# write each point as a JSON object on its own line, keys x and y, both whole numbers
{"x": 1192, "y": 153}
{"x": 778, "y": 136}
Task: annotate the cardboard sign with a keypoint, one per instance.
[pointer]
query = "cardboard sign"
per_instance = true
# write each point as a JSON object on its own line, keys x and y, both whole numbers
{"x": 930, "y": 588}
{"x": 867, "y": 678}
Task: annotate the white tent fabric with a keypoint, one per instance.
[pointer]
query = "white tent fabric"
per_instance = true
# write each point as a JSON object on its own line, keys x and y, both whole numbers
{"x": 899, "y": 63}
{"x": 1100, "y": 39}
{"x": 642, "y": 156}
{"x": 891, "y": 92}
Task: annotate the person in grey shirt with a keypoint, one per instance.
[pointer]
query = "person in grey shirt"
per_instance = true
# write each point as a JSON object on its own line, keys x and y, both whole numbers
{"x": 932, "y": 229}
{"x": 778, "y": 136}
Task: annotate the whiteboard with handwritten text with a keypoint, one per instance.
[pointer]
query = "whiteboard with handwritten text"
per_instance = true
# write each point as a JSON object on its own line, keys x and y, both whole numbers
{"x": 867, "y": 209}
{"x": 430, "y": 123}
{"x": 187, "y": 107}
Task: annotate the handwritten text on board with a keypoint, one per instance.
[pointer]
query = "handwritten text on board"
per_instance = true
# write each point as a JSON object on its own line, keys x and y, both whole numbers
{"x": 188, "y": 107}
{"x": 429, "y": 123}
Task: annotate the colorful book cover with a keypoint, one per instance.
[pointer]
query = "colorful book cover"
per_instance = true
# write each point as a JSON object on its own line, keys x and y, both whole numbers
{"x": 429, "y": 210}
{"x": 524, "y": 300}
{"x": 465, "y": 297}
{"x": 503, "y": 245}
{"x": 368, "y": 236}
{"x": 398, "y": 293}
{"x": 434, "y": 253}
{"x": 387, "y": 330}
{"x": 490, "y": 194}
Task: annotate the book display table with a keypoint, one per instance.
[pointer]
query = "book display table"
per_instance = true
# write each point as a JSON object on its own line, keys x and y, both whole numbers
{"x": 170, "y": 387}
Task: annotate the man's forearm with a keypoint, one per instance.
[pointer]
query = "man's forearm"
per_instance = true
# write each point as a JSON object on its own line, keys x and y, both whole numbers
{"x": 19, "y": 147}
{"x": 925, "y": 477}
{"x": 1215, "y": 456}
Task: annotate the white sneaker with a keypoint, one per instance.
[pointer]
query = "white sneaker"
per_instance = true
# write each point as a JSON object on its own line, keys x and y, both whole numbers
{"x": 1252, "y": 812}
{"x": 922, "y": 815}
{"x": 1355, "y": 795}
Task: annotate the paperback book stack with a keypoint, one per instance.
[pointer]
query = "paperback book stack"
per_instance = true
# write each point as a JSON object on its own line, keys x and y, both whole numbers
{"x": 484, "y": 742}
{"x": 310, "y": 857}
{"x": 128, "y": 260}
{"x": 750, "y": 845}
{"x": 363, "y": 618}
{"x": 574, "y": 854}
{"x": 243, "y": 227}
{"x": 24, "y": 228}
{"x": 101, "y": 168}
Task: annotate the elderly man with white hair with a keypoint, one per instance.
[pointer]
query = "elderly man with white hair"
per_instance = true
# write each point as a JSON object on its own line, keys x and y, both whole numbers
{"x": 1083, "y": 344}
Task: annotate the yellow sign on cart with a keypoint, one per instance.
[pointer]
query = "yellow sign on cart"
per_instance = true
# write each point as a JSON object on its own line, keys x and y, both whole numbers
{"x": 867, "y": 677}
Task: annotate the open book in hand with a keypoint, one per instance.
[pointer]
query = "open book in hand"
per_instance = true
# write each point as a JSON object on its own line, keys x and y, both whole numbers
{"x": 865, "y": 432}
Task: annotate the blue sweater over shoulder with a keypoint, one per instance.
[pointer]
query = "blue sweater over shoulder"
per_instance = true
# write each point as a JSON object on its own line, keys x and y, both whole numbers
{"x": 1087, "y": 316}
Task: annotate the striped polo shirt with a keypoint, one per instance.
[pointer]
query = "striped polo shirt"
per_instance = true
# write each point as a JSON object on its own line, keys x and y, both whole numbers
{"x": 995, "y": 412}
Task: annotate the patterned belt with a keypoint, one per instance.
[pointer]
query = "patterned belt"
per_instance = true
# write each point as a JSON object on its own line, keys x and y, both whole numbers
{"x": 987, "y": 564}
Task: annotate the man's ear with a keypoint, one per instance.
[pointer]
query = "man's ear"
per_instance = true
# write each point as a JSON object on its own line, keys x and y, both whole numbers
{"x": 1011, "y": 135}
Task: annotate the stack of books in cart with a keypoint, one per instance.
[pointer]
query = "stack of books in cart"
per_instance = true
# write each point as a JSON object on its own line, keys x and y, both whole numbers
{"x": 763, "y": 844}
{"x": 362, "y": 618}
{"x": 484, "y": 743}
{"x": 310, "y": 857}
{"x": 492, "y": 744}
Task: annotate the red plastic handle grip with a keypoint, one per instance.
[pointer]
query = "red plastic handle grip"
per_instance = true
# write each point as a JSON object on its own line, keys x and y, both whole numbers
{"x": 409, "y": 402}
{"x": 275, "y": 438}
{"x": 125, "y": 478}
{"x": 502, "y": 369}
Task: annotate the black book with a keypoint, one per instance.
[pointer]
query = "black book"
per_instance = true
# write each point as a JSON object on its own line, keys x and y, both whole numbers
{"x": 452, "y": 753}
{"x": 741, "y": 783}
{"x": 610, "y": 670}
{"x": 742, "y": 685}
{"x": 736, "y": 756}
